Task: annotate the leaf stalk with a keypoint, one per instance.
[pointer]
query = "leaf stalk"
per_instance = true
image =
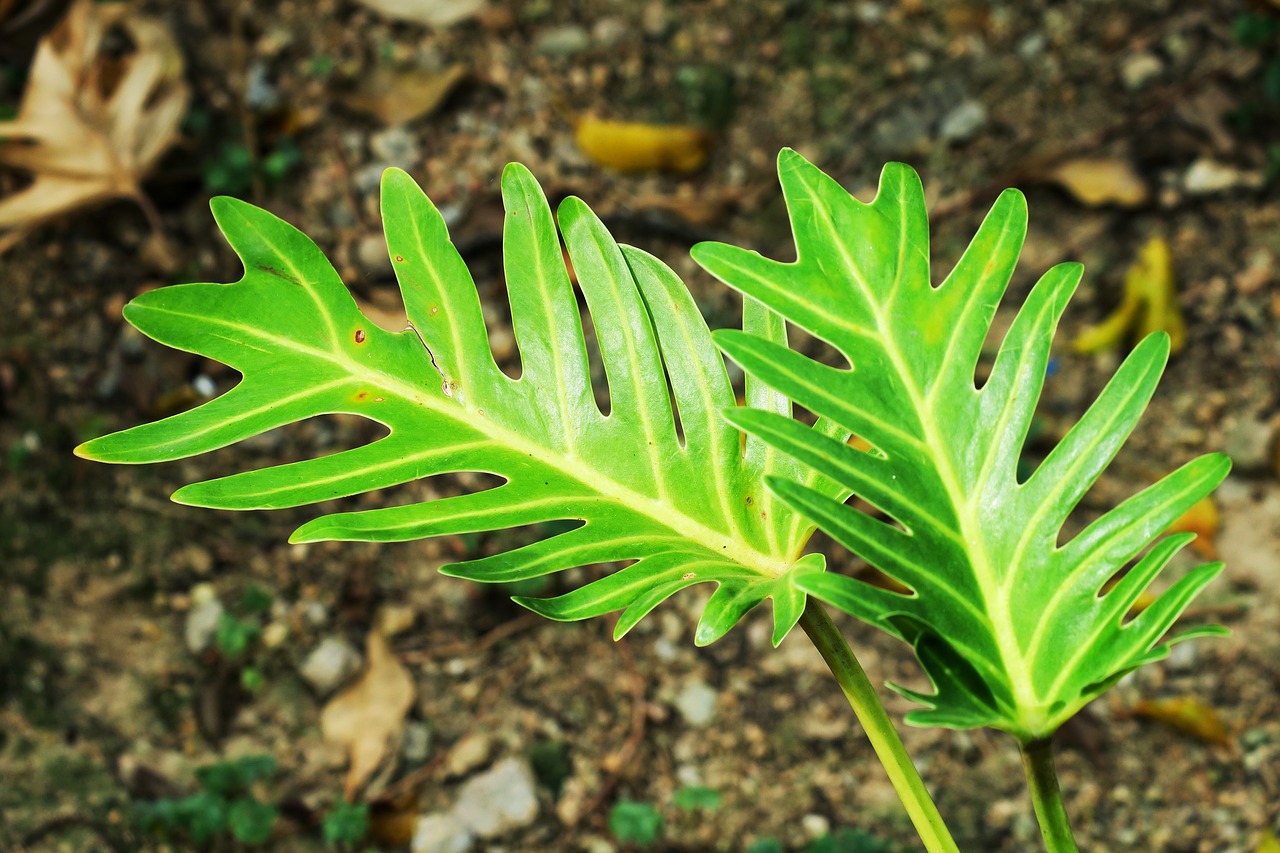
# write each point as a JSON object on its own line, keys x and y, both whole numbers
{"x": 857, "y": 688}
{"x": 1046, "y": 796}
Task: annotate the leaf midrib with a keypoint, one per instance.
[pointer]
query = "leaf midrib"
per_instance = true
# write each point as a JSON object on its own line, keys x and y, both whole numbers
{"x": 1002, "y": 629}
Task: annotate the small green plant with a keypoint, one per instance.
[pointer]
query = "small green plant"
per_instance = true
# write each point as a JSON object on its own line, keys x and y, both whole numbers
{"x": 237, "y": 635}
{"x": 631, "y": 822}
{"x": 225, "y": 805}
{"x": 346, "y": 824}
{"x": 1016, "y": 625}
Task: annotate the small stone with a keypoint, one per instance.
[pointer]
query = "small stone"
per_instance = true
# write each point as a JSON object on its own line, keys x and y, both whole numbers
{"x": 1258, "y": 274}
{"x": 963, "y": 122}
{"x": 560, "y": 42}
{"x": 1207, "y": 177}
{"x": 1249, "y": 444}
{"x": 815, "y": 825}
{"x": 1139, "y": 70}
{"x": 314, "y": 614}
{"x": 696, "y": 703}
{"x": 199, "y": 560}
{"x": 329, "y": 664}
{"x": 274, "y": 635}
{"x": 415, "y": 745}
{"x": 496, "y": 802}
{"x": 440, "y": 832}
{"x": 903, "y": 132}
{"x": 371, "y": 252}
{"x": 203, "y": 618}
{"x": 395, "y": 146}
{"x": 608, "y": 32}
{"x": 468, "y": 755}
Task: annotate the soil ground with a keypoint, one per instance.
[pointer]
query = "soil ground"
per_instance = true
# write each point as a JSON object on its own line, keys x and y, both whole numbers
{"x": 103, "y": 703}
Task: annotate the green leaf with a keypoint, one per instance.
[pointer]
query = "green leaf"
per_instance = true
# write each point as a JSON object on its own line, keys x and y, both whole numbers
{"x": 346, "y": 824}
{"x": 692, "y": 798}
{"x": 1013, "y": 628}
{"x": 635, "y": 823}
{"x": 678, "y": 505}
{"x": 251, "y": 821}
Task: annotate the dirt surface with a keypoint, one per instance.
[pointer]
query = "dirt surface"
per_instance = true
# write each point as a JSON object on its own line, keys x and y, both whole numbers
{"x": 108, "y": 699}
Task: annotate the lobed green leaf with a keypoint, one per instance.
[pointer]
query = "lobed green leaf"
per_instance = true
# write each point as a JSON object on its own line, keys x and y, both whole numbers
{"x": 1013, "y": 628}
{"x": 662, "y": 508}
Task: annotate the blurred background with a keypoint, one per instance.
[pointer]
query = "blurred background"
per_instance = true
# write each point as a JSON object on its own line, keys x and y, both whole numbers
{"x": 181, "y": 679}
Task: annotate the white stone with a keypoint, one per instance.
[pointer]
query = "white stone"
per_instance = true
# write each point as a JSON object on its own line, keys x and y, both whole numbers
{"x": 498, "y": 801}
{"x": 440, "y": 832}
{"x": 203, "y": 618}
{"x": 1139, "y": 70}
{"x": 696, "y": 703}
{"x": 468, "y": 755}
{"x": 330, "y": 664}
{"x": 963, "y": 122}
{"x": 1207, "y": 177}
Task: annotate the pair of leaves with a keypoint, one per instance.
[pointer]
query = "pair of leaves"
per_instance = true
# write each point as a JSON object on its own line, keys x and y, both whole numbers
{"x": 1013, "y": 628}
{"x": 682, "y": 505}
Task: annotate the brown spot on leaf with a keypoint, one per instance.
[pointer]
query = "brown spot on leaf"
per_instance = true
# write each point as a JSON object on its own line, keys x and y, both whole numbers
{"x": 359, "y": 336}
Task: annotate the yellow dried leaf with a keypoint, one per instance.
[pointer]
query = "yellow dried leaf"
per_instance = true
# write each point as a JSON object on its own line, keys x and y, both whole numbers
{"x": 369, "y": 715}
{"x": 1268, "y": 843}
{"x": 1150, "y": 304}
{"x": 1187, "y": 715}
{"x": 1202, "y": 519}
{"x": 635, "y": 147}
{"x": 1101, "y": 181}
{"x": 91, "y": 124}
{"x": 400, "y": 96}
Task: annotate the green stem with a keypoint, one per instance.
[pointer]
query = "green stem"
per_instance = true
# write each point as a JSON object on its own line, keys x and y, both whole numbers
{"x": 879, "y": 728}
{"x": 1037, "y": 761}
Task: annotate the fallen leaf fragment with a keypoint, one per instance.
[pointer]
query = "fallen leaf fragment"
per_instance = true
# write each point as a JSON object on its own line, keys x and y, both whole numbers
{"x": 1202, "y": 519}
{"x": 435, "y": 13}
{"x": 636, "y": 147}
{"x": 1101, "y": 181}
{"x": 1149, "y": 304}
{"x": 369, "y": 715}
{"x": 91, "y": 124}
{"x": 401, "y": 96}
{"x": 1187, "y": 715}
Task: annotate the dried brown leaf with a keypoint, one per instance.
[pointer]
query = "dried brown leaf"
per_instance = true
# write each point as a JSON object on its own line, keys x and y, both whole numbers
{"x": 1098, "y": 181}
{"x": 91, "y": 125}
{"x": 368, "y": 716}
{"x": 400, "y": 96}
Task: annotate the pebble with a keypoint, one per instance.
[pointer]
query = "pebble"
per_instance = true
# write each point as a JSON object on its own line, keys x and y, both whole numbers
{"x": 560, "y": 42}
{"x": 329, "y": 664}
{"x": 202, "y": 620}
{"x": 468, "y": 755}
{"x": 415, "y": 745}
{"x": 903, "y": 132}
{"x": 1208, "y": 177}
{"x": 395, "y": 146}
{"x": 1139, "y": 69}
{"x": 815, "y": 825}
{"x": 498, "y": 801}
{"x": 440, "y": 832}
{"x": 696, "y": 703}
{"x": 608, "y": 32}
{"x": 963, "y": 122}
{"x": 1249, "y": 444}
